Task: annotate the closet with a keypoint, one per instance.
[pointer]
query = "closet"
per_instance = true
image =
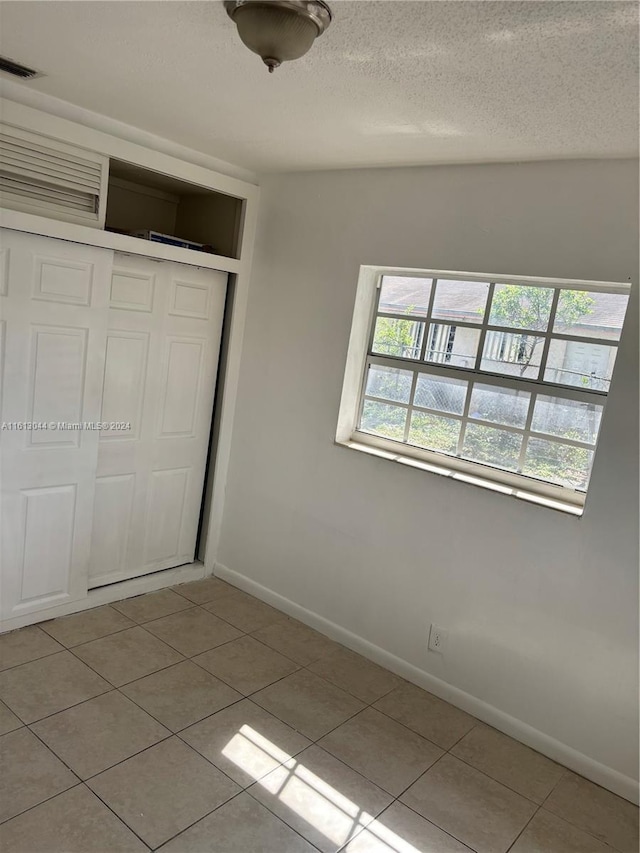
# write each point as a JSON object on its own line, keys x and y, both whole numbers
{"x": 119, "y": 258}
{"x": 110, "y": 360}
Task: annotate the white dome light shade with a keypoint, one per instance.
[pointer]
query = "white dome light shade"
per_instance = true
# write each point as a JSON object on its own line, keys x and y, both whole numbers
{"x": 279, "y": 30}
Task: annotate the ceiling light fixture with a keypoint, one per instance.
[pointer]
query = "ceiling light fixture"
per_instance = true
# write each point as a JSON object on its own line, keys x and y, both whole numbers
{"x": 279, "y": 30}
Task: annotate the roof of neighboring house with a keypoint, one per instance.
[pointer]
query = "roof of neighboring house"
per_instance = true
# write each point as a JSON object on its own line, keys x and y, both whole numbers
{"x": 401, "y": 294}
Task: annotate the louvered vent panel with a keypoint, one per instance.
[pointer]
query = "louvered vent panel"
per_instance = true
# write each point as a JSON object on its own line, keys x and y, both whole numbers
{"x": 50, "y": 181}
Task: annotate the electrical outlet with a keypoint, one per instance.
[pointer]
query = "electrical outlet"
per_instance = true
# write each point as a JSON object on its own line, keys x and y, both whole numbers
{"x": 437, "y": 639}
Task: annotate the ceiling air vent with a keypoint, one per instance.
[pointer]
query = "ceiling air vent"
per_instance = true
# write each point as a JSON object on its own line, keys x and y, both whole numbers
{"x": 17, "y": 70}
{"x": 49, "y": 178}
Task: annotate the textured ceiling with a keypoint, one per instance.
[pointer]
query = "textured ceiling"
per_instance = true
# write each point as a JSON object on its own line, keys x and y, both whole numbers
{"x": 390, "y": 83}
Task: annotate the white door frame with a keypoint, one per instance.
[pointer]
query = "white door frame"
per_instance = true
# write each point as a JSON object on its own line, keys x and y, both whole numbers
{"x": 85, "y": 136}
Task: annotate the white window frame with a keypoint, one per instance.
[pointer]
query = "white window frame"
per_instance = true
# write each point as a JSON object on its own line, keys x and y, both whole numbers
{"x": 359, "y": 356}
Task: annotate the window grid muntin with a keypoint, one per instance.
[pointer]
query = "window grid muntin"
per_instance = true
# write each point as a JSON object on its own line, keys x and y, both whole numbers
{"x": 502, "y": 379}
{"x": 465, "y": 418}
{"x": 476, "y": 375}
{"x": 372, "y": 331}
{"x": 410, "y": 407}
{"x": 545, "y": 436}
{"x": 492, "y": 327}
{"x": 414, "y": 363}
{"x": 525, "y": 281}
{"x": 547, "y": 336}
{"x": 547, "y": 341}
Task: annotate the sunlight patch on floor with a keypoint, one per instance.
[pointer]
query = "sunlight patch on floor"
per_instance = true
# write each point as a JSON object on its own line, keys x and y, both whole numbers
{"x": 337, "y": 817}
{"x": 377, "y": 838}
{"x": 254, "y": 753}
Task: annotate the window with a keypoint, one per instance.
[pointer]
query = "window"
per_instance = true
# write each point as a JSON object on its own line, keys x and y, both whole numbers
{"x": 496, "y": 381}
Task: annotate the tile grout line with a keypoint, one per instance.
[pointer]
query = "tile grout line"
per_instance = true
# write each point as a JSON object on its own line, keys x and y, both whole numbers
{"x": 58, "y": 758}
{"x": 497, "y": 781}
{"x": 151, "y": 746}
{"x": 284, "y": 655}
{"x": 522, "y": 831}
{"x": 28, "y": 725}
{"x": 477, "y": 722}
{"x": 33, "y": 660}
{"x": 448, "y": 750}
{"x": 281, "y": 819}
{"x": 306, "y": 667}
{"x": 93, "y": 776}
{"x": 562, "y": 775}
{"x": 70, "y": 650}
{"x": 226, "y": 802}
{"x": 126, "y": 683}
{"x": 80, "y": 782}
{"x": 406, "y": 805}
{"x": 370, "y": 705}
{"x": 86, "y": 613}
{"x": 538, "y": 806}
{"x": 249, "y": 697}
{"x": 167, "y": 643}
{"x": 171, "y": 734}
{"x": 313, "y": 742}
{"x": 271, "y": 649}
{"x": 117, "y": 816}
{"x": 177, "y": 732}
{"x": 579, "y": 827}
{"x": 413, "y": 731}
{"x": 159, "y": 639}
{"x": 255, "y": 782}
{"x": 41, "y": 803}
{"x": 114, "y": 688}
{"x": 177, "y": 735}
{"x": 431, "y": 766}
{"x": 102, "y": 637}
{"x": 118, "y": 689}
{"x": 111, "y": 689}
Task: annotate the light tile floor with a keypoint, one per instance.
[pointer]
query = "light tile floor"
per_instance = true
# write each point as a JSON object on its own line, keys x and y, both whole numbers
{"x": 201, "y": 720}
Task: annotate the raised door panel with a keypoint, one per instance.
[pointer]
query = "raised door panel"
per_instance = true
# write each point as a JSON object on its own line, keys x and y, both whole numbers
{"x": 124, "y": 384}
{"x": 62, "y": 280}
{"x": 167, "y": 495}
{"x": 48, "y": 520}
{"x": 190, "y": 299}
{"x": 56, "y": 393}
{"x": 181, "y": 385}
{"x": 112, "y": 517}
{"x": 132, "y": 291}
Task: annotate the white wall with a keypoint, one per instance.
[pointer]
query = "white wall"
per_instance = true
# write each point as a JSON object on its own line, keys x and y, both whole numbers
{"x": 541, "y": 607}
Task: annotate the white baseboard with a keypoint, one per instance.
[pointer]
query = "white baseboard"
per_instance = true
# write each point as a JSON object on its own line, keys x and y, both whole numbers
{"x": 599, "y": 773}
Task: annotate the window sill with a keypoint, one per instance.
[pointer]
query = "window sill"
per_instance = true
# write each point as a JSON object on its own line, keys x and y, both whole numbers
{"x": 483, "y": 483}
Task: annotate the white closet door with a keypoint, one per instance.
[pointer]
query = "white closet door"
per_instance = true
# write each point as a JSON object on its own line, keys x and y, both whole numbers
{"x": 163, "y": 343}
{"x": 53, "y": 322}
